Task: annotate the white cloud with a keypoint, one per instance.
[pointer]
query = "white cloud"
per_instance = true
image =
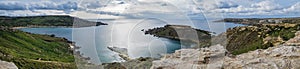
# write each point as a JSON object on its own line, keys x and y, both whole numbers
{"x": 48, "y": 5}
{"x": 265, "y": 7}
{"x": 140, "y": 8}
{"x": 293, "y": 9}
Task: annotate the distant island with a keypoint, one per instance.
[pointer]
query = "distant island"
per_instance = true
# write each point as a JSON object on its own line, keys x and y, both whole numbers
{"x": 183, "y": 33}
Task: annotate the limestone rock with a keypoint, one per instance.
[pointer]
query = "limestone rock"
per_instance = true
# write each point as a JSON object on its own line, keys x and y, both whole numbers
{"x": 281, "y": 57}
{"x": 192, "y": 59}
{"x": 7, "y": 65}
{"x": 278, "y": 57}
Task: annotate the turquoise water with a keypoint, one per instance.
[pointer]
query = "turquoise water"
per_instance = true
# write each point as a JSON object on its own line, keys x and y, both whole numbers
{"x": 124, "y": 34}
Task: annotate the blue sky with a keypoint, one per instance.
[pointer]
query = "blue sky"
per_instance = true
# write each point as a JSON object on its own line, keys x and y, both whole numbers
{"x": 110, "y": 9}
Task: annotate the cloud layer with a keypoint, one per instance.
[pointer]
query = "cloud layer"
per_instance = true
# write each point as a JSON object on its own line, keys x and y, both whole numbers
{"x": 48, "y": 5}
{"x": 264, "y": 7}
{"x": 135, "y": 7}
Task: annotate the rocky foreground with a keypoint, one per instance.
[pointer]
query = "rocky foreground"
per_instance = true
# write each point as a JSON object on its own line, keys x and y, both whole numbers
{"x": 281, "y": 57}
{"x": 286, "y": 56}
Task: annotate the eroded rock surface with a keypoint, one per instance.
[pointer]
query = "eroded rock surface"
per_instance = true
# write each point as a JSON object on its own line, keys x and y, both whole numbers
{"x": 7, "y": 65}
{"x": 279, "y": 57}
{"x": 192, "y": 59}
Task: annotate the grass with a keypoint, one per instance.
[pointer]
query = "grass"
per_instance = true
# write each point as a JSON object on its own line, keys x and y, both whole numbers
{"x": 29, "y": 51}
{"x": 33, "y": 51}
{"x": 285, "y": 33}
{"x": 244, "y": 41}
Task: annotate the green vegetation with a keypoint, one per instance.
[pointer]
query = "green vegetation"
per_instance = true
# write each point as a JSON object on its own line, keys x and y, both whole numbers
{"x": 254, "y": 21}
{"x": 187, "y": 34}
{"x": 33, "y": 51}
{"x": 139, "y": 63}
{"x": 44, "y": 21}
{"x": 249, "y": 38}
{"x": 283, "y": 32}
{"x": 243, "y": 41}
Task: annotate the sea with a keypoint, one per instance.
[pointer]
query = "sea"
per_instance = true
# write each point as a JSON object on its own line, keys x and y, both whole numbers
{"x": 127, "y": 33}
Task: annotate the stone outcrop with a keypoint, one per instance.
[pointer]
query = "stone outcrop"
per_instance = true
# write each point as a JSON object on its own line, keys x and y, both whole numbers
{"x": 7, "y": 65}
{"x": 123, "y": 52}
{"x": 192, "y": 59}
{"x": 279, "y": 57}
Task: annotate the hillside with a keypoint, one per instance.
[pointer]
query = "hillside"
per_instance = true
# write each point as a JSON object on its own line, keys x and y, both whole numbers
{"x": 253, "y": 21}
{"x": 32, "y": 51}
{"x": 55, "y": 20}
{"x": 249, "y": 38}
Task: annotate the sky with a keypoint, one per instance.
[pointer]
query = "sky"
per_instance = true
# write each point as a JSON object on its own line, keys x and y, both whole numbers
{"x": 112, "y": 9}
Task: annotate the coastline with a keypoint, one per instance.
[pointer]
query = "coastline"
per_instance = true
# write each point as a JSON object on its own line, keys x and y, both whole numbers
{"x": 123, "y": 52}
{"x": 20, "y": 27}
{"x": 70, "y": 43}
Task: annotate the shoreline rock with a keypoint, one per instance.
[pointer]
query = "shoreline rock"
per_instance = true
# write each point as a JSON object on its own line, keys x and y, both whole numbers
{"x": 123, "y": 52}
